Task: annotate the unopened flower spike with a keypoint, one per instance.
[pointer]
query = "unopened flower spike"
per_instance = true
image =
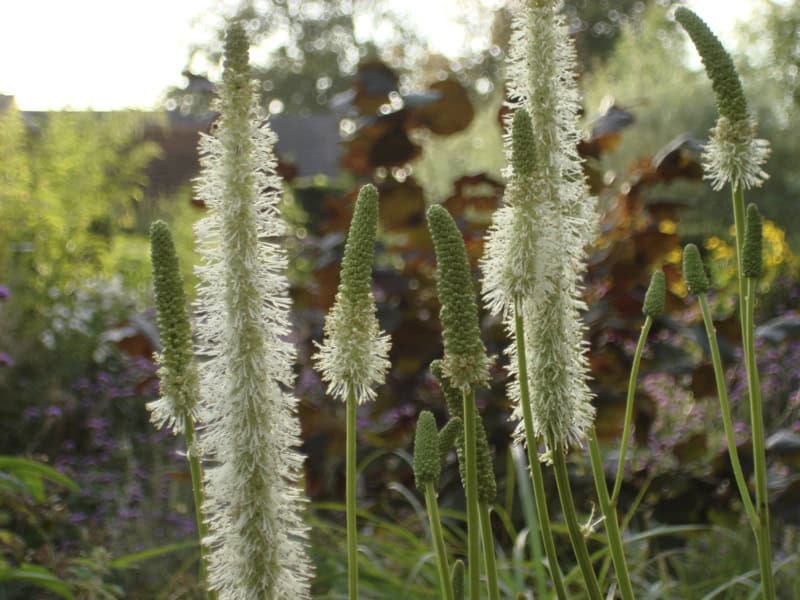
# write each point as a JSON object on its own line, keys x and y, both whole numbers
{"x": 254, "y": 502}
{"x": 179, "y": 383}
{"x": 656, "y": 295}
{"x": 487, "y": 483}
{"x": 465, "y": 362}
{"x": 427, "y": 462}
{"x": 354, "y": 353}
{"x": 448, "y": 435}
{"x": 733, "y": 154}
{"x": 752, "y": 261}
{"x": 693, "y": 271}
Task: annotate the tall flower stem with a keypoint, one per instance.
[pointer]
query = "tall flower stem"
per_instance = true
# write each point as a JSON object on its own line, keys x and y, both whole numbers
{"x": 352, "y": 523}
{"x": 473, "y": 524}
{"x": 487, "y": 542}
{"x": 196, "y": 470}
{"x": 574, "y": 528}
{"x": 759, "y": 458}
{"x": 626, "y": 429}
{"x": 531, "y": 445}
{"x": 445, "y": 585}
{"x": 610, "y": 519}
{"x": 725, "y": 409}
{"x": 746, "y": 308}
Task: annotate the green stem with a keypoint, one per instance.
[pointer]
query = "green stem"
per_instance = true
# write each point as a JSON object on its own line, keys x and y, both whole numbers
{"x": 471, "y": 467}
{"x": 445, "y": 586}
{"x": 626, "y": 430}
{"x": 746, "y": 302}
{"x": 759, "y": 459}
{"x": 610, "y": 519}
{"x": 350, "y": 492}
{"x": 531, "y": 519}
{"x": 196, "y": 470}
{"x": 738, "y": 220}
{"x": 487, "y": 543}
{"x": 570, "y": 516}
{"x": 725, "y": 409}
{"x": 531, "y": 444}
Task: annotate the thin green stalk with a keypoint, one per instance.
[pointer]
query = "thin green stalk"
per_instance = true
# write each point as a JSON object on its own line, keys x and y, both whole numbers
{"x": 531, "y": 519}
{"x": 350, "y": 492}
{"x": 487, "y": 543}
{"x": 471, "y": 466}
{"x": 725, "y": 409}
{"x": 738, "y": 220}
{"x": 759, "y": 459}
{"x": 531, "y": 445}
{"x": 196, "y": 470}
{"x": 610, "y": 519}
{"x": 574, "y": 528}
{"x": 445, "y": 586}
{"x": 626, "y": 430}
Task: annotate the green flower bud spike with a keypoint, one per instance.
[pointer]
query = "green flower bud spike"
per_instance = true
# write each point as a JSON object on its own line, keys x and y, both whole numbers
{"x": 353, "y": 357}
{"x": 466, "y": 366}
{"x": 453, "y": 430}
{"x": 718, "y": 64}
{"x": 427, "y": 464}
{"x": 457, "y": 579}
{"x": 693, "y": 271}
{"x": 465, "y": 362}
{"x": 733, "y": 154}
{"x": 487, "y": 484}
{"x": 655, "y": 297}
{"x": 180, "y": 383}
{"x": 427, "y": 470}
{"x": 752, "y": 260}
{"x": 177, "y": 372}
{"x": 523, "y": 144}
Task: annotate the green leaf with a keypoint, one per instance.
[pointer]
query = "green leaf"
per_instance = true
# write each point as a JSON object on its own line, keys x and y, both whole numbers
{"x": 129, "y": 560}
{"x": 36, "y": 576}
{"x": 32, "y": 473}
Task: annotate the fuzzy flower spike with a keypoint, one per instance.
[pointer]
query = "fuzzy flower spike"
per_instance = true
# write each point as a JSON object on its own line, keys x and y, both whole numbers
{"x": 535, "y": 256}
{"x": 733, "y": 154}
{"x": 177, "y": 373}
{"x": 353, "y": 356}
{"x": 254, "y": 502}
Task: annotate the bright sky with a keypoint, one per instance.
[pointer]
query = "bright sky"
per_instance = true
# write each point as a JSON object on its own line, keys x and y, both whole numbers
{"x": 111, "y": 54}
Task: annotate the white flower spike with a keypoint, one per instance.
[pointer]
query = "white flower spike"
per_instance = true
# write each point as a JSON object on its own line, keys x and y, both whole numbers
{"x": 254, "y": 502}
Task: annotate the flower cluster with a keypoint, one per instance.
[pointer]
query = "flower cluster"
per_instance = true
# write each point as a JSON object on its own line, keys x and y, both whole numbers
{"x": 257, "y": 535}
{"x": 535, "y": 249}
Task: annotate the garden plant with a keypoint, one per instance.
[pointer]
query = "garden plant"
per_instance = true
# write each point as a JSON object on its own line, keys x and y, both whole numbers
{"x": 226, "y": 367}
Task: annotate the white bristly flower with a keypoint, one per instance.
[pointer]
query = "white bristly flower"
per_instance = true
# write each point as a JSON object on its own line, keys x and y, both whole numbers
{"x": 254, "y": 504}
{"x": 353, "y": 356}
{"x": 733, "y": 154}
{"x": 535, "y": 255}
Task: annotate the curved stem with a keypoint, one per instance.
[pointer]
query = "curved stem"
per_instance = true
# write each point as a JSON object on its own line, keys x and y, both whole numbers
{"x": 725, "y": 409}
{"x": 626, "y": 429}
{"x": 610, "y": 519}
{"x": 196, "y": 470}
{"x": 445, "y": 586}
{"x": 531, "y": 445}
{"x": 574, "y": 528}
{"x": 487, "y": 543}
{"x": 350, "y": 492}
{"x": 471, "y": 467}
{"x": 759, "y": 458}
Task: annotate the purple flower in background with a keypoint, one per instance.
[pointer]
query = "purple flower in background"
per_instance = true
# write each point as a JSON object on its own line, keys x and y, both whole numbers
{"x": 4, "y": 292}
{"x": 5, "y": 359}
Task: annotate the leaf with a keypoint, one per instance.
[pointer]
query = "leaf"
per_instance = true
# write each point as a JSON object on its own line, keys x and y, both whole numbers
{"x": 129, "y": 560}
{"x": 36, "y": 576}
{"x": 32, "y": 473}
